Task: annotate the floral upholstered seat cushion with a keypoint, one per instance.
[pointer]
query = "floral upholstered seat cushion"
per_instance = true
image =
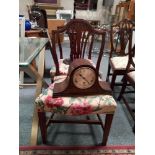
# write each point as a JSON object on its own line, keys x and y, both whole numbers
{"x": 74, "y": 105}
{"x": 120, "y": 63}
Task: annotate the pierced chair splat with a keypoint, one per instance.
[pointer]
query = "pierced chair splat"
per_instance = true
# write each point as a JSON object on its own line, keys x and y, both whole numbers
{"x": 76, "y": 103}
{"x": 81, "y": 38}
{"x": 118, "y": 59}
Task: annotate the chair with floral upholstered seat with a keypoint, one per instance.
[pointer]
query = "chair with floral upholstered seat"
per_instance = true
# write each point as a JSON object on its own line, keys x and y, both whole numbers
{"x": 94, "y": 104}
{"x": 119, "y": 54}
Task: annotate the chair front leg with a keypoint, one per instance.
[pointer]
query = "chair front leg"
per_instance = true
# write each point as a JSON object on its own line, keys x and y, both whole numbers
{"x": 108, "y": 122}
{"x": 42, "y": 124}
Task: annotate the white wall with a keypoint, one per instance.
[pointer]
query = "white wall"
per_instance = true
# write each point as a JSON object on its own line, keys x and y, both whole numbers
{"x": 101, "y": 13}
{"x": 67, "y": 4}
{"x": 86, "y": 14}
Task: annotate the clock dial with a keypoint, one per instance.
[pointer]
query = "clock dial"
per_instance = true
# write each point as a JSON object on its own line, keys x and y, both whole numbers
{"x": 84, "y": 77}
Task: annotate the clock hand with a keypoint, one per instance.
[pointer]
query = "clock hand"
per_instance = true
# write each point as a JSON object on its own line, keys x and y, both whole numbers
{"x": 84, "y": 78}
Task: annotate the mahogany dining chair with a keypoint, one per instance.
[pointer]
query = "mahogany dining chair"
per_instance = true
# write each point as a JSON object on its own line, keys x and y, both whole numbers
{"x": 118, "y": 57}
{"x": 79, "y": 31}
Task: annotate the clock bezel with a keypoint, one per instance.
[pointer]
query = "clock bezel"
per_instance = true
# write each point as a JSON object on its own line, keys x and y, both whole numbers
{"x": 80, "y": 68}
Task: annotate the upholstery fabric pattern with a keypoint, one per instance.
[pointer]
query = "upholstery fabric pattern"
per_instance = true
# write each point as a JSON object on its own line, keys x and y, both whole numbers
{"x": 74, "y": 105}
{"x": 120, "y": 63}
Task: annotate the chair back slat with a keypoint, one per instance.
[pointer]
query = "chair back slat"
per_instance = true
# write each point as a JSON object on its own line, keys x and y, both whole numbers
{"x": 101, "y": 52}
{"x": 60, "y": 47}
{"x": 85, "y": 42}
{"x": 91, "y": 45}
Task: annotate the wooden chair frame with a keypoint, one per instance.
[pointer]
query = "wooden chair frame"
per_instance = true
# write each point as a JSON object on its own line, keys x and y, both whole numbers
{"x": 122, "y": 30}
{"x": 44, "y": 124}
{"x": 77, "y": 50}
{"x": 127, "y": 79}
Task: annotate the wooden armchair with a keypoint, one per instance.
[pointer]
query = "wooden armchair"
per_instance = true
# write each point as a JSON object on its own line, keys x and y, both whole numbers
{"x": 118, "y": 59}
{"x": 77, "y": 33}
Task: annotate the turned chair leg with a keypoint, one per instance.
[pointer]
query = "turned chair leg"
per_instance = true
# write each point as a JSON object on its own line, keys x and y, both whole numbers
{"x": 108, "y": 122}
{"x": 113, "y": 80}
{"x": 42, "y": 124}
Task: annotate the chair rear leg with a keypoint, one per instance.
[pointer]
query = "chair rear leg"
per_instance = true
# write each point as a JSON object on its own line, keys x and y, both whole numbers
{"x": 108, "y": 73}
{"x": 133, "y": 128}
{"x": 42, "y": 124}
{"x": 113, "y": 80}
{"x": 122, "y": 90}
{"x": 108, "y": 122}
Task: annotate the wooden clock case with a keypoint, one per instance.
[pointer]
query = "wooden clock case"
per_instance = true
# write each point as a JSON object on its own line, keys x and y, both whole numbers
{"x": 67, "y": 87}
